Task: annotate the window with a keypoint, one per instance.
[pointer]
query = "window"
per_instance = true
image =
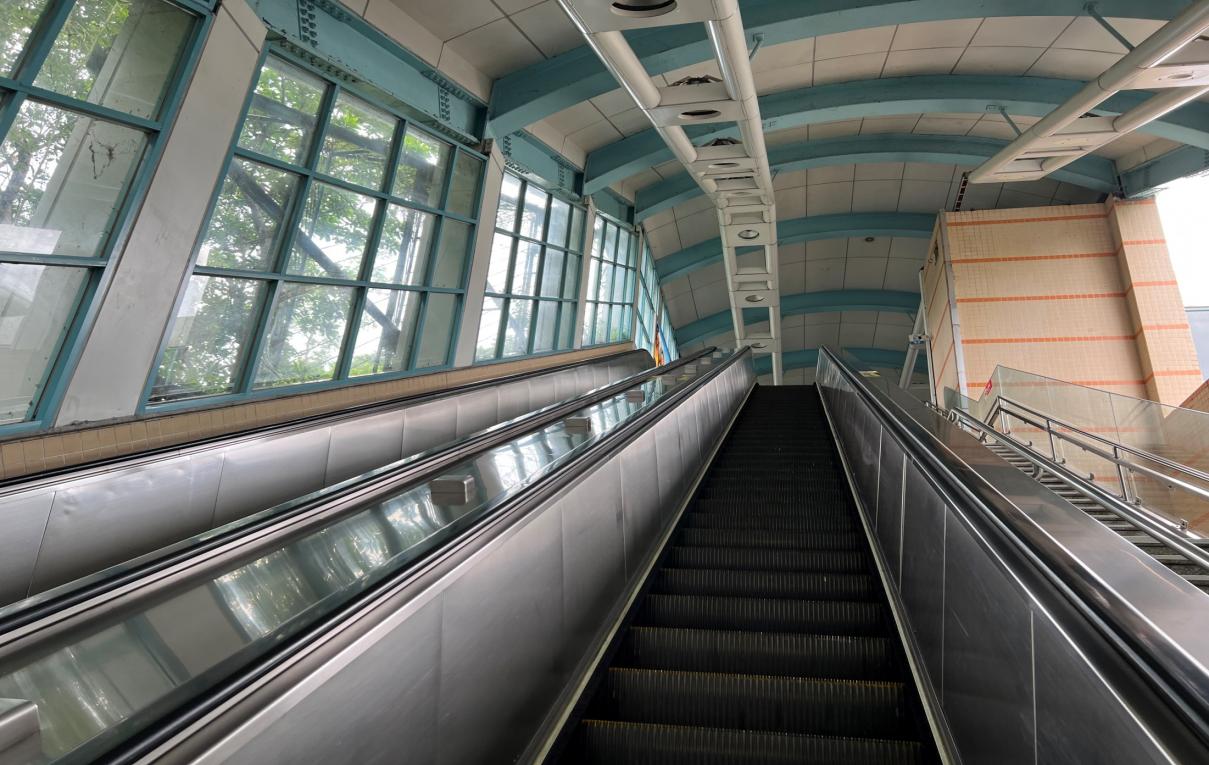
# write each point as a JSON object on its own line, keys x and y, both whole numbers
{"x": 653, "y": 331}
{"x": 86, "y": 88}
{"x": 336, "y": 248}
{"x": 533, "y": 274}
{"x": 612, "y": 273}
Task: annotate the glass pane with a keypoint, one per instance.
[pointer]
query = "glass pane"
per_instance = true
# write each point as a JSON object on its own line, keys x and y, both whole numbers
{"x": 117, "y": 53}
{"x": 464, "y": 187}
{"x": 566, "y": 326}
{"x": 384, "y": 338}
{"x": 306, "y": 328}
{"x": 609, "y": 251}
{"x": 547, "y": 324}
{"x": 36, "y": 305}
{"x": 510, "y": 194}
{"x": 440, "y": 315}
{"x": 600, "y": 333}
{"x": 593, "y": 278}
{"x": 533, "y": 217}
{"x": 210, "y": 337}
{"x": 560, "y": 213}
{"x": 552, "y": 273}
{"x": 247, "y": 217}
{"x": 605, "y": 293}
{"x": 332, "y": 234}
{"x": 589, "y": 324}
{"x": 403, "y": 250}
{"x": 597, "y": 235}
{"x": 577, "y": 229}
{"x": 516, "y": 331}
{"x": 501, "y": 258}
{"x": 623, "y": 248}
{"x": 619, "y": 325}
{"x": 489, "y": 328}
{"x": 524, "y": 274}
{"x": 281, "y": 119}
{"x": 451, "y": 258}
{"x": 422, "y": 165}
{"x": 356, "y": 142}
{"x": 571, "y": 280}
{"x": 17, "y": 19}
{"x": 620, "y": 279}
{"x": 64, "y": 176}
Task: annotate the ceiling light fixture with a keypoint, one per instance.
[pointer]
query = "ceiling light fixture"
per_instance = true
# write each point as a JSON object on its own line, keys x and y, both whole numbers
{"x": 749, "y": 234}
{"x": 699, "y": 114}
{"x": 754, "y": 298}
{"x": 644, "y": 10}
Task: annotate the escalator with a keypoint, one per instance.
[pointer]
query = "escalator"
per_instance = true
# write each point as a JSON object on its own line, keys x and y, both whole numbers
{"x": 762, "y": 635}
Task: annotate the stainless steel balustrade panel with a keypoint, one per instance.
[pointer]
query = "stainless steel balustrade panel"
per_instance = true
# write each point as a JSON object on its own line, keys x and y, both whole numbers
{"x": 1013, "y": 686}
{"x": 889, "y": 521}
{"x": 513, "y": 401}
{"x": 513, "y": 622}
{"x": 80, "y": 534}
{"x": 270, "y": 471}
{"x": 476, "y": 412}
{"x": 361, "y": 445}
{"x": 25, "y": 519}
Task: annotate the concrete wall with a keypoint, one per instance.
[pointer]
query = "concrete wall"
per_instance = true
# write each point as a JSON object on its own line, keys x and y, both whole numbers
{"x": 1082, "y": 293}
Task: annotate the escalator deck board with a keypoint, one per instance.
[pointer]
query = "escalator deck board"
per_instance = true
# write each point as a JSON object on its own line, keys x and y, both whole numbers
{"x": 763, "y": 634}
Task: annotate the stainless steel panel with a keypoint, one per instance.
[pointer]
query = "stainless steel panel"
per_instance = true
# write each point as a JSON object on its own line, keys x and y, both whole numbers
{"x": 428, "y": 425}
{"x": 513, "y": 400}
{"x": 377, "y": 705}
{"x": 500, "y": 646}
{"x": 477, "y": 410}
{"x": 23, "y": 519}
{"x": 1102, "y": 730}
{"x": 668, "y": 455}
{"x": 594, "y": 572}
{"x": 988, "y": 694}
{"x": 362, "y": 445}
{"x": 866, "y": 438}
{"x": 889, "y": 522}
{"x": 265, "y": 473}
{"x": 643, "y": 514}
{"x": 923, "y": 570}
{"x": 102, "y": 521}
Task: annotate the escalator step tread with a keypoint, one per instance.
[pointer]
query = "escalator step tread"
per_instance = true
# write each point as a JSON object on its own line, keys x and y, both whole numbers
{"x": 829, "y": 617}
{"x": 756, "y": 702}
{"x": 739, "y": 520}
{"x": 766, "y": 584}
{"x": 794, "y": 540}
{"x": 770, "y": 559}
{"x": 608, "y": 741}
{"x": 761, "y": 653}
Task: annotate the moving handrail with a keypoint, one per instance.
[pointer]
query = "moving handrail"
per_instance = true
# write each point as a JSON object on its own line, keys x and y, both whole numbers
{"x": 306, "y": 511}
{"x": 220, "y": 673}
{"x": 1144, "y": 521}
{"x": 1047, "y": 423}
{"x": 1137, "y": 653}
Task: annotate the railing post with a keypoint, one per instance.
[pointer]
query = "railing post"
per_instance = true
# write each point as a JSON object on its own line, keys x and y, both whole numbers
{"x": 1053, "y": 447}
{"x": 1116, "y": 453}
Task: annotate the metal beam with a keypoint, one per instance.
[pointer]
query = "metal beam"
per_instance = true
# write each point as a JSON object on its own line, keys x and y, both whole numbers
{"x": 1150, "y": 177}
{"x": 881, "y": 357}
{"x": 535, "y": 92}
{"x": 824, "y": 301}
{"x": 1021, "y": 96}
{"x": 1096, "y": 173}
{"x": 809, "y": 229}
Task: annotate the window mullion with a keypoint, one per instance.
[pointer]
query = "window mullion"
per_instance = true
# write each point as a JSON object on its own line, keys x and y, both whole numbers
{"x": 42, "y": 40}
{"x": 8, "y": 113}
{"x": 247, "y": 370}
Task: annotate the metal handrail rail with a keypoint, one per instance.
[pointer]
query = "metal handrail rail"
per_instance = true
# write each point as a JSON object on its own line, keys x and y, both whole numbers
{"x": 1127, "y": 512}
{"x": 1144, "y": 454}
{"x": 1114, "y": 456}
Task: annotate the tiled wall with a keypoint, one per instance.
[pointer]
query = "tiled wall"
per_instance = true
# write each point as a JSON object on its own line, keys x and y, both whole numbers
{"x": 67, "y": 446}
{"x": 943, "y": 362}
{"x": 1082, "y": 293}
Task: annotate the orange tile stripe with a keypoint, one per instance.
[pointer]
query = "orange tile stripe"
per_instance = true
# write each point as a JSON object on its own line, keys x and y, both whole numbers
{"x": 1073, "y": 338}
{"x": 1055, "y": 219}
{"x": 1023, "y": 258}
{"x": 1131, "y": 242}
{"x": 1023, "y": 298}
{"x": 1172, "y": 373}
{"x": 1088, "y": 383}
{"x": 1167, "y": 283}
{"x": 943, "y": 366}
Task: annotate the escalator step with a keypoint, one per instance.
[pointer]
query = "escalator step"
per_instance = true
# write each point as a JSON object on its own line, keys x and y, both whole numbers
{"x": 760, "y": 653}
{"x": 756, "y": 559}
{"x": 821, "y": 617}
{"x": 798, "y": 540}
{"x": 755, "y": 702}
{"x": 601, "y": 742}
{"x": 788, "y": 522}
{"x": 765, "y": 584}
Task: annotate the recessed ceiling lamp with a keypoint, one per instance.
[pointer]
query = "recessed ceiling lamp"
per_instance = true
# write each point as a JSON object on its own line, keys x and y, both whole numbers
{"x": 749, "y": 234}
{"x": 754, "y": 298}
{"x": 869, "y": 239}
{"x": 699, "y": 114}
{"x": 644, "y": 10}
{"x": 759, "y": 345}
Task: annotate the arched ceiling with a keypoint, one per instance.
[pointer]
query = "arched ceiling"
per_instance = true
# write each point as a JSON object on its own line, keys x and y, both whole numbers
{"x": 873, "y": 109}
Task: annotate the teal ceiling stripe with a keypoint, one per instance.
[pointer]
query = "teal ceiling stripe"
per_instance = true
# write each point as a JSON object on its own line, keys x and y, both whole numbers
{"x": 1091, "y": 172}
{"x": 535, "y": 92}
{"x": 823, "y": 301}
{"x": 1027, "y": 96}
{"x": 809, "y": 229}
{"x": 880, "y": 357}
{"x": 527, "y": 156}
{"x": 1148, "y": 178}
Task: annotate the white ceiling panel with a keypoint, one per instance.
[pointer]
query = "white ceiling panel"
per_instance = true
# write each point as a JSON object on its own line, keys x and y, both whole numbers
{"x": 1020, "y": 30}
{"x": 997, "y": 60}
{"x": 902, "y": 275}
{"x": 829, "y": 198}
{"x": 854, "y": 335}
{"x": 681, "y": 309}
{"x": 923, "y": 196}
{"x": 864, "y": 273}
{"x": 863, "y": 67}
{"x": 935, "y": 34}
{"x": 858, "y": 247}
{"x": 875, "y": 196}
{"x": 908, "y": 248}
{"x": 824, "y": 275}
{"x": 827, "y": 249}
{"x": 874, "y": 40}
{"x": 901, "y": 63}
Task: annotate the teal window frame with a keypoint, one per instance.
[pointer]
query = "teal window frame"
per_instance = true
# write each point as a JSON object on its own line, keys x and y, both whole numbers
{"x": 567, "y": 306}
{"x": 604, "y": 229}
{"x": 276, "y": 275}
{"x": 18, "y": 89}
{"x": 650, "y": 302}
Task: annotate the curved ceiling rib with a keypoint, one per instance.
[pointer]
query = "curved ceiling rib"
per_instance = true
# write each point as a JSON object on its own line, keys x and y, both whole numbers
{"x": 535, "y": 92}
{"x": 876, "y": 356}
{"x": 824, "y": 301}
{"x": 1091, "y": 172}
{"x": 949, "y": 93}
{"x": 809, "y": 229}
